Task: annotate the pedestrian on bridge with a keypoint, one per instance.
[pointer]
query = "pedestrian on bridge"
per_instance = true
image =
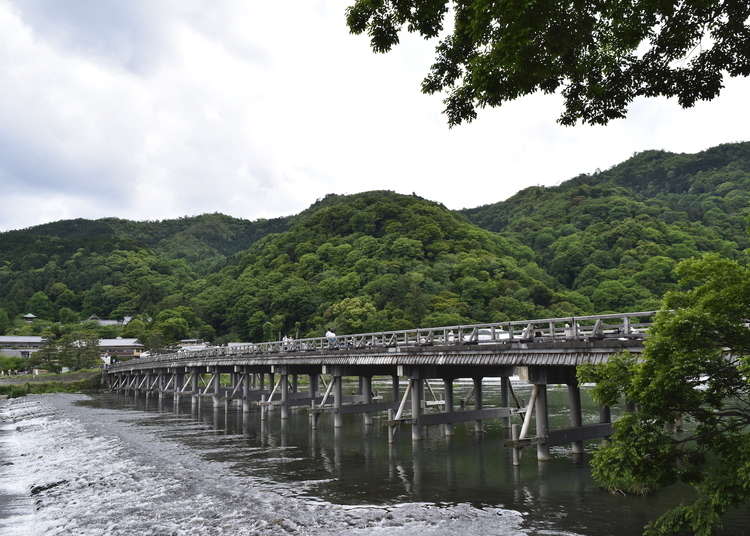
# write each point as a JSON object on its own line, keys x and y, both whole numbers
{"x": 331, "y": 337}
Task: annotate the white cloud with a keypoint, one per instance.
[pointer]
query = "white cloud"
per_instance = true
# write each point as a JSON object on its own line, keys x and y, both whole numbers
{"x": 159, "y": 109}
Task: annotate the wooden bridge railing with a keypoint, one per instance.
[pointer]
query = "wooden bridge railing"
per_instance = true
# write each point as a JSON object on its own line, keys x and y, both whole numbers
{"x": 609, "y": 326}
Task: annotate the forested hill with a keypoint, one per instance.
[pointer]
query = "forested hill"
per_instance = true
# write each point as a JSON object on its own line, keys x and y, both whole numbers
{"x": 621, "y": 231}
{"x": 380, "y": 260}
{"x": 203, "y": 241}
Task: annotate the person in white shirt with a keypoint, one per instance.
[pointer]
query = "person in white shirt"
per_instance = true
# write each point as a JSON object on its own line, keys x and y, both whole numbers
{"x": 331, "y": 337}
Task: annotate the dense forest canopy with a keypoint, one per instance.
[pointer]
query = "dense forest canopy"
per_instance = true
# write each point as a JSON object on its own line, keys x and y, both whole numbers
{"x": 379, "y": 260}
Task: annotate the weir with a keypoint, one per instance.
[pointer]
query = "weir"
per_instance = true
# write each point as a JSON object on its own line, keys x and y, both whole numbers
{"x": 427, "y": 360}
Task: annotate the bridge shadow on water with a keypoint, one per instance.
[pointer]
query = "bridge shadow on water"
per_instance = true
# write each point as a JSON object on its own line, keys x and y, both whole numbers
{"x": 355, "y": 464}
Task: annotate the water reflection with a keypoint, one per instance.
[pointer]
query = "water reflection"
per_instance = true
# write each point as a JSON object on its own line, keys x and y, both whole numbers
{"x": 355, "y": 464}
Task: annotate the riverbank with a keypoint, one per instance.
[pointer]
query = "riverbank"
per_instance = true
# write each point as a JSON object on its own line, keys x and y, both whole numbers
{"x": 14, "y": 387}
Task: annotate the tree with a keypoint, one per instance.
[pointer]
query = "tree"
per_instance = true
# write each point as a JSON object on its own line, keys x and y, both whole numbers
{"x": 5, "y": 322}
{"x": 48, "y": 356}
{"x": 67, "y": 316}
{"x": 79, "y": 350}
{"x": 696, "y": 367}
{"x": 8, "y": 363}
{"x": 600, "y": 54}
{"x": 41, "y": 306}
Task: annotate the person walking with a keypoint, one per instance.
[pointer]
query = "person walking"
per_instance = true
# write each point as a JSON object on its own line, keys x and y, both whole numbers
{"x": 331, "y": 338}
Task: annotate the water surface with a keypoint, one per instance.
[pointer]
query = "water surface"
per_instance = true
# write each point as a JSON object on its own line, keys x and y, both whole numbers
{"x": 125, "y": 465}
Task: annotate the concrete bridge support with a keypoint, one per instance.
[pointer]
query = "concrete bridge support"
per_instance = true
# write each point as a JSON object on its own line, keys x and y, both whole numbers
{"x": 247, "y": 385}
{"x": 338, "y": 401}
{"x": 284, "y": 387}
{"x": 178, "y": 383}
{"x": 314, "y": 381}
{"x": 504, "y": 397}
{"x": 416, "y": 385}
{"x": 542, "y": 423}
{"x": 366, "y": 398}
{"x": 216, "y": 392}
{"x": 194, "y": 387}
{"x": 478, "y": 402}
{"x": 576, "y": 418}
{"x": 161, "y": 384}
{"x": 448, "y": 397}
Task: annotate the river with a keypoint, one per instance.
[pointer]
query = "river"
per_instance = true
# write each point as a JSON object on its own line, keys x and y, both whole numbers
{"x": 113, "y": 464}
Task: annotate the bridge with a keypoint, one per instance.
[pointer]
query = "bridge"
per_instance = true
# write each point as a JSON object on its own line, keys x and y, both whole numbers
{"x": 541, "y": 352}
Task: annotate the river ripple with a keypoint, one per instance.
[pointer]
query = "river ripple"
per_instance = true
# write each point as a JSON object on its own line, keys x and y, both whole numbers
{"x": 122, "y": 466}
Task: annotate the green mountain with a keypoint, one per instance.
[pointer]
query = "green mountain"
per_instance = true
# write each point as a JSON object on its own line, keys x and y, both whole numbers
{"x": 114, "y": 267}
{"x": 201, "y": 240}
{"x": 379, "y": 260}
{"x": 615, "y": 236}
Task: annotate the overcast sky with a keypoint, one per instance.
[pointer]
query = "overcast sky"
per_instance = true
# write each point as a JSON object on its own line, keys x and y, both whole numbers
{"x": 156, "y": 109}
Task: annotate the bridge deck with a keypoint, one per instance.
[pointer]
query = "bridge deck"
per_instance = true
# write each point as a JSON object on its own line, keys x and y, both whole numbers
{"x": 568, "y": 341}
{"x": 522, "y": 354}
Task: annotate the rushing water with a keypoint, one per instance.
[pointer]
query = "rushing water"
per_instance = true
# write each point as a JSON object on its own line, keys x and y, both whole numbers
{"x": 119, "y": 465}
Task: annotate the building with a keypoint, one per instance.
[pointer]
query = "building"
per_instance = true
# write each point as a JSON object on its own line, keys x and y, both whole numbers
{"x": 120, "y": 348}
{"x": 20, "y": 345}
{"x": 29, "y": 317}
{"x": 109, "y": 322}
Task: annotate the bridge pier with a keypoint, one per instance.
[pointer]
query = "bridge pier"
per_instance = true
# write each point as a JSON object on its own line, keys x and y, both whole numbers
{"x": 542, "y": 423}
{"x": 161, "y": 385}
{"x": 179, "y": 381}
{"x": 246, "y": 387}
{"x": 478, "y": 402}
{"x": 338, "y": 399}
{"x": 194, "y": 387}
{"x": 416, "y": 385}
{"x": 284, "y": 387}
{"x": 314, "y": 381}
{"x": 504, "y": 397}
{"x": 145, "y": 382}
{"x": 576, "y": 418}
{"x": 366, "y": 382}
{"x": 448, "y": 397}
{"x": 216, "y": 379}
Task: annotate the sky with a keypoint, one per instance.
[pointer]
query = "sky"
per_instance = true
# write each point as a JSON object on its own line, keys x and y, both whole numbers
{"x": 156, "y": 109}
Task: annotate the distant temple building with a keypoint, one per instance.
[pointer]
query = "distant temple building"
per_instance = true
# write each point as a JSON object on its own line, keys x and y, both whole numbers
{"x": 25, "y": 345}
{"x": 120, "y": 348}
{"x": 108, "y": 322}
{"x": 20, "y": 345}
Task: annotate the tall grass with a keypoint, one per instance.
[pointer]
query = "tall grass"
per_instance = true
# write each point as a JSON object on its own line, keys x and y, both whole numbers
{"x": 34, "y": 388}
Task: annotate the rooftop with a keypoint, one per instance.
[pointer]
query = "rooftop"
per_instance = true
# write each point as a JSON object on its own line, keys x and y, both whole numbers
{"x": 27, "y": 339}
{"x": 120, "y": 342}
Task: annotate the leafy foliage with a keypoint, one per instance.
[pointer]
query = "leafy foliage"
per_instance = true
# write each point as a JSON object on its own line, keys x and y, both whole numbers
{"x": 696, "y": 366}
{"x": 615, "y": 236}
{"x": 599, "y": 55}
{"x": 376, "y": 260}
{"x": 10, "y": 363}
